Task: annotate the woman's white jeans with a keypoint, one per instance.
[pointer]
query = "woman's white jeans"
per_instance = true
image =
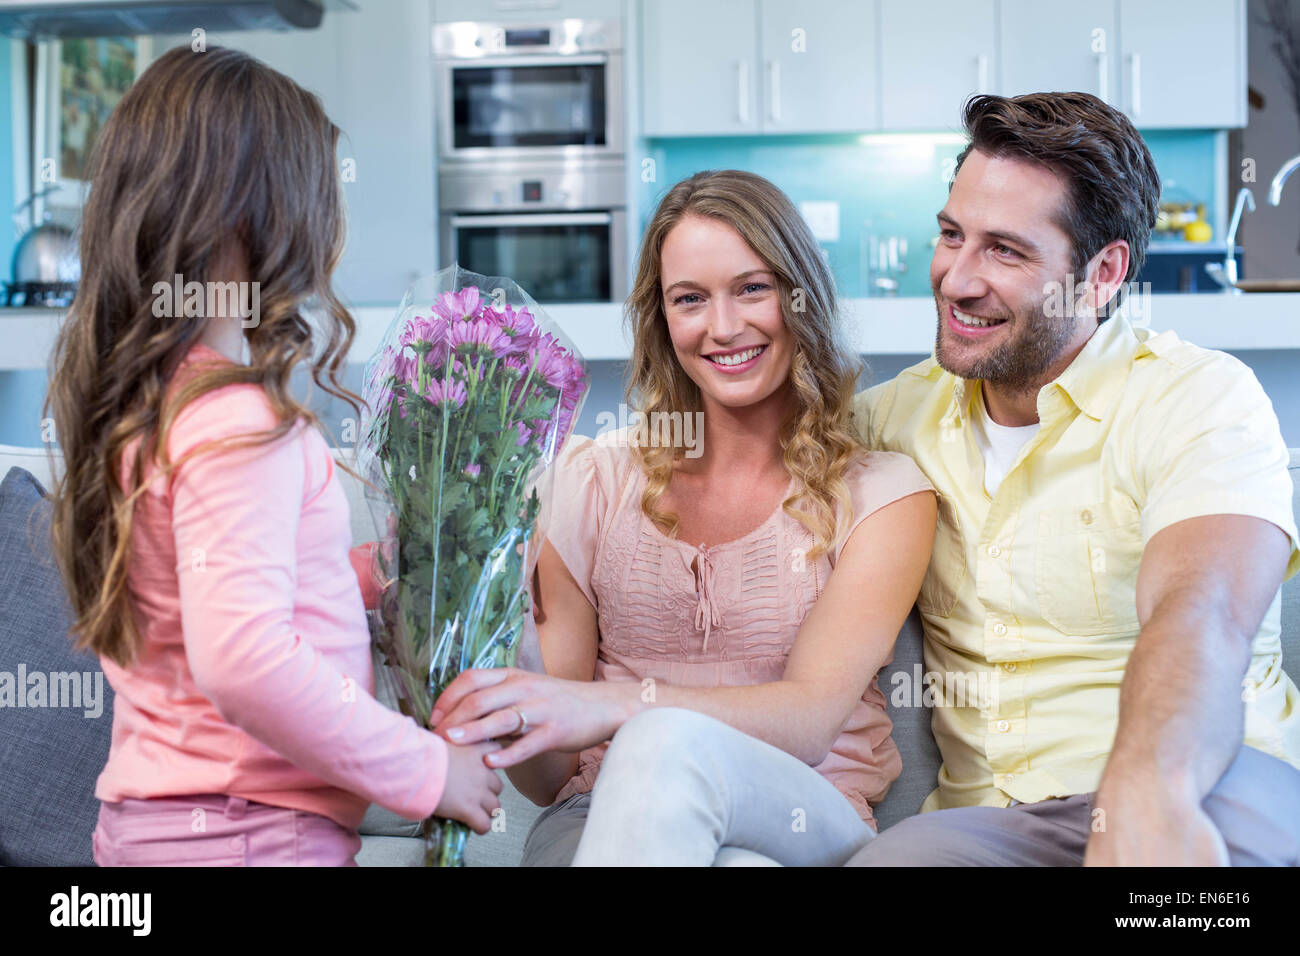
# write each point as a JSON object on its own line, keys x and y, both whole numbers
{"x": 678, "y": 788}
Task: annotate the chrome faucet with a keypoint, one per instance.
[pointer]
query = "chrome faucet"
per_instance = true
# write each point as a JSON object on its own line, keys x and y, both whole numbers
{"x": 1275, "y": 190}
{"x": 1225, "y": 273}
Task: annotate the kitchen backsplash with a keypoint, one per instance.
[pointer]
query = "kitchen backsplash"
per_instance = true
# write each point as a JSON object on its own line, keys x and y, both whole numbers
{"x": 887, "y": 185}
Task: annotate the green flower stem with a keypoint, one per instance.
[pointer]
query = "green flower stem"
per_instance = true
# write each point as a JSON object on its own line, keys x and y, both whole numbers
{"x": 460, "y": 424}
{"x": 501, "y": 456}
{"x": 444, "y": 842}
{"x": 471, "y": 401}
{"x": 437, "y": 508}
{"x": 523, "y": 472}
{"x": 523, "y": 391}
{"x": 419, "y": 386}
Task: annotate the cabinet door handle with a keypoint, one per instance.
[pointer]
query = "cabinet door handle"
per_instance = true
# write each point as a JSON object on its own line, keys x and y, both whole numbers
{"x": 1103, "y": 78}
{"x": 774, "y": 90}
{"x": 982, "y": 73}
{"x": 1135, "y": 66}
{"x": 742, "y": 91}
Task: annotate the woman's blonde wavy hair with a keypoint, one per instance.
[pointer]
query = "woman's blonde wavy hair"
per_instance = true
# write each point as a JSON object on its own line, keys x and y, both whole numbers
{"x": 203, "y": 149}
{"x": 817, "y": 438}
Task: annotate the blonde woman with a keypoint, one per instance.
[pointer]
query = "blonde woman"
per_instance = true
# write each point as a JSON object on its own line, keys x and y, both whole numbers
{"x": 718, "y": 618}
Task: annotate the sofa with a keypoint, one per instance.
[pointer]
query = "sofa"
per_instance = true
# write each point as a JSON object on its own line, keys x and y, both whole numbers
{"x": 49, "y": 758}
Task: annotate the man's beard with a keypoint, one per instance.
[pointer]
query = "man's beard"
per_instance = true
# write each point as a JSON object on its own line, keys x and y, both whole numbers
{"x": 1019, "y": 362}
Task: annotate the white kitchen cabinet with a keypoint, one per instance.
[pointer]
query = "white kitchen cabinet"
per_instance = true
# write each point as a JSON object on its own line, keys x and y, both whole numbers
{"x": 722, "y": 67}
{"x": 1058, "y": 46}
{"x": 933, "y": 56}
{"x": 1166, "y": 63}
{"x": 699, "y": 70}
{"x": 1183, "y": 63}
{"x": 819, "y": 66}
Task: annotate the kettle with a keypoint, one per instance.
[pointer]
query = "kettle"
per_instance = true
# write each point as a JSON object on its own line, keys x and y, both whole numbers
{"x": 47, "y": 254}
{"x": 46, "y": 263}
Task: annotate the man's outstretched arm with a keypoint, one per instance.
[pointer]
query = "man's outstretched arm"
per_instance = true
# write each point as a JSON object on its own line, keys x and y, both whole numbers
{"x": 1203, "y": 588}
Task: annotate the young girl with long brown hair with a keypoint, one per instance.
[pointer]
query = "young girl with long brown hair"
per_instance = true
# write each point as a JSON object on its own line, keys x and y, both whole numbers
{"x": 200, "y": 527}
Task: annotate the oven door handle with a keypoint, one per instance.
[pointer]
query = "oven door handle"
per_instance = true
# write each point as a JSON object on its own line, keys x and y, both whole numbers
{"x": 492, "y": 62}
{"x": 533, "y": 219}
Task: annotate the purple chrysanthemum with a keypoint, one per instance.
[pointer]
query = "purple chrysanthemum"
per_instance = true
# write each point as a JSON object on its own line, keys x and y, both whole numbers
{"x": 513, "y": 368}
{"x": 440, "y": 393}
{"x": 421, "y": 334}
{"x": 478, "y": 336}
{"x": 406, "y": 370}
{"x": 455, "y": 306}
{"x": 520, "y": 321}
{"x": 553, "y": 363}
{"x": 521, "y": 328}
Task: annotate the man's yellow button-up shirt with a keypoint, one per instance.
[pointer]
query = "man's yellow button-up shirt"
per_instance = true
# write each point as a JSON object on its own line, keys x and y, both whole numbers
{"x": 1030, "y": 598}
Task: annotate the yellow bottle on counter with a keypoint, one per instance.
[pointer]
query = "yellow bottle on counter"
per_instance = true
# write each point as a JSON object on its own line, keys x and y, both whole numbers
{"x": 1199, "y": 230}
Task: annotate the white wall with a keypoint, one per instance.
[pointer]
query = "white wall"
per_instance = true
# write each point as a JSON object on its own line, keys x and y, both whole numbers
{"x": 373, "y": 70}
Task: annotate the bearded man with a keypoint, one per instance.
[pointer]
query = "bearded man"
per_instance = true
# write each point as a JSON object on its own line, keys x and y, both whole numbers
{"x": 1115, "y": 524}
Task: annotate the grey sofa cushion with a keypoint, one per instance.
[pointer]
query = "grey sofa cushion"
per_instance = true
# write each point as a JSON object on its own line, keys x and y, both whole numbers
{"x": 903, "y": 689}
{"x": 390, "y": 851}
{"x": 50, "y": 756}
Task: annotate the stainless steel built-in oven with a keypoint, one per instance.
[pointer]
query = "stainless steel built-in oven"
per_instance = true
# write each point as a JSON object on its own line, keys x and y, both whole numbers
{"x": 557, "y": 257}
{"x": 557, "y": 227}
{"x": 542, "y": 89}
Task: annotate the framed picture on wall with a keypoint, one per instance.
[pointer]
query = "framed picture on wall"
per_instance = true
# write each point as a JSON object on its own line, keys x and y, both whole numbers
{"x": 79, "y": 80}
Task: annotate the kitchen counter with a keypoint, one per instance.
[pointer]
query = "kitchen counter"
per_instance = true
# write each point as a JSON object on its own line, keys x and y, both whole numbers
{"x": 898, "y": 326}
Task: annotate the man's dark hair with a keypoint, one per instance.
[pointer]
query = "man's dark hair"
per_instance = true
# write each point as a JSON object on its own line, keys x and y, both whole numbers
{"x": 1112, "y": 187}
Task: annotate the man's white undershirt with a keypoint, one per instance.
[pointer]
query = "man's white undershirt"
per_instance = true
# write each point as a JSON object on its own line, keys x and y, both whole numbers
{"x": 999, "y": 444}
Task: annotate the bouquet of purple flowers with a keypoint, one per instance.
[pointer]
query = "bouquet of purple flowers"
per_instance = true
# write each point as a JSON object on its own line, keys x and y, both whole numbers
{"x": 470, "y": 396}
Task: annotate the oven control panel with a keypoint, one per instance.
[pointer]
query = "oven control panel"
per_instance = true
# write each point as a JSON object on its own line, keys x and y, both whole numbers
{"x": 471, "y": 40}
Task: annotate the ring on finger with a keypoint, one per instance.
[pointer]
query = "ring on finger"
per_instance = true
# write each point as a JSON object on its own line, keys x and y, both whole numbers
{"x": 523, "y": 721}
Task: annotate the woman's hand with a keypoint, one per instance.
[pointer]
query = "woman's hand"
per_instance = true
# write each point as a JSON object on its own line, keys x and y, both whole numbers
{"x": 562, "y": 715}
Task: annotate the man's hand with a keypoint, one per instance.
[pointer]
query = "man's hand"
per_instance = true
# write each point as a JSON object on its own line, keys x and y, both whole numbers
{"x": 1138, "y": 829}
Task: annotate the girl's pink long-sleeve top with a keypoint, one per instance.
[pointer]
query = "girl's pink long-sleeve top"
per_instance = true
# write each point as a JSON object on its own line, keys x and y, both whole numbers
{"x": 254, "y": 676}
